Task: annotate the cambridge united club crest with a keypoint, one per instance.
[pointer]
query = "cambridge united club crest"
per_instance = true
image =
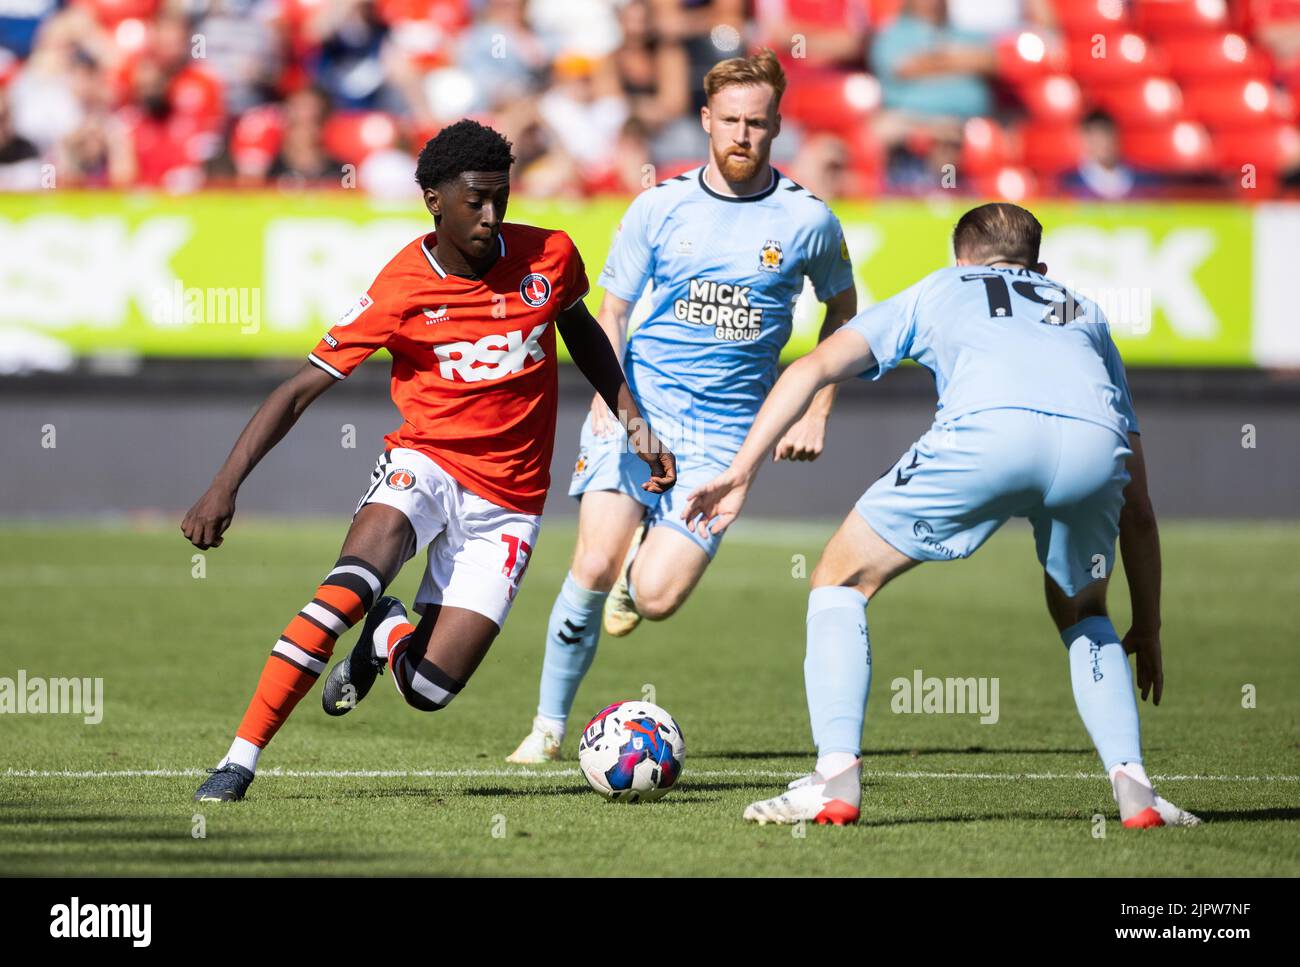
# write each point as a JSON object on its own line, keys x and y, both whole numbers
{"x": 770, "y": 256}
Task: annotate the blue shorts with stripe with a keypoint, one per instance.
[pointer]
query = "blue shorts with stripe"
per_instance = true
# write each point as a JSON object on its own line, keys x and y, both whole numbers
{"x": 966, "y": 477}
{"x": 606, "y": 462}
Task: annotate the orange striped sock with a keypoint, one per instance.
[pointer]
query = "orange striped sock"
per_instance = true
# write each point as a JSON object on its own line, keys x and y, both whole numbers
{"x": 300, "y": 655}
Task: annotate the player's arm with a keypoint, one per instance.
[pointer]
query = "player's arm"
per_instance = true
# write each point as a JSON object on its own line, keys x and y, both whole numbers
{"x": 1139, "y": 546}
{"x": 612, "y": 318}
{"x": 593, "y": 353}
{"x": 806, "y": 439}
{"x": 719, "y": 502}
{"x": 208, "y": 519}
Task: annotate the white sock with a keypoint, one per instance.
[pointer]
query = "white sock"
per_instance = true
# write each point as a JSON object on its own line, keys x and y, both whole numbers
{"x": 554, "y": 726}
{"x": 379, "y": 642}
{"x": 833, "y": 763}
{"x": 242, "y": 753}
{"x": 1133, "y": 770}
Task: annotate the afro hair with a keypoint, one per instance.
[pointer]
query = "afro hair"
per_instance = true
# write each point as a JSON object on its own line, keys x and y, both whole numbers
{"x": 463, "y": 146}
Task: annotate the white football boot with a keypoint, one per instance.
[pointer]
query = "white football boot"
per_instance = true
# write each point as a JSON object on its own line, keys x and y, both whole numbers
{"x": 1141, "y": 808}
{"x": 621, "y": 616}
{"x": 540, "y": 745}
{"x": 836, "y": 800}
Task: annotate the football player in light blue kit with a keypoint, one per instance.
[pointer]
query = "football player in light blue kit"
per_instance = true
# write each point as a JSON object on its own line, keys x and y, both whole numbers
{"x": 725, "y": 249}
{"x": 1034, "y": 421}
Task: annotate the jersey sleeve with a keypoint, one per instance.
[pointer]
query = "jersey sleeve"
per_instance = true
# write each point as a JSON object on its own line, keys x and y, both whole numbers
{"x": 631, "y": 259}
{"x": 889, "y": 328}
{"x": 573, "y": 275}
{"x": 829, "y": 268}
{"x": 363, "y": 329}
{"x": 1115, "y": 370}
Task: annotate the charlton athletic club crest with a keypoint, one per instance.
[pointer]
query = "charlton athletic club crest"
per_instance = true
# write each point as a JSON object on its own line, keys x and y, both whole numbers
{"x": 770, "y": 256}
{"x": 400, "y": 479}
{"x": 535, "y": 290}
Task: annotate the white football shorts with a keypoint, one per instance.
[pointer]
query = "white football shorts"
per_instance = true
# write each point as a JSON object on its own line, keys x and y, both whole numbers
{"x": 477, "y": 550}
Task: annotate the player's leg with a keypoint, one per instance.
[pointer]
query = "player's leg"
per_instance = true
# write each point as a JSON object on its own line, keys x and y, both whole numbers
{"x": 940, "y": 501}
{"x": 606, "y": 481}
{"x": 1075, "y": 532}
{"x": 856, "y": 563}
{"x": 379, "y": 541}
{"x": 665, "y": 570}
{"x": 607, "y": 521}
{"x": 475, "y": 564}
{"x": 666, "y": 560}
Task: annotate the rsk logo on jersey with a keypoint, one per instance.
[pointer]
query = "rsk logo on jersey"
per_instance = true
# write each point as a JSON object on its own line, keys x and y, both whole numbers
{"x": 770, "y": 256}
{"x": 492, "y": 356}
{"x": 535, "y": 289}
{"x": 724, "y": 306}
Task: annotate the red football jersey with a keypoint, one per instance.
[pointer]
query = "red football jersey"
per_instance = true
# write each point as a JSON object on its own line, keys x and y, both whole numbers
{"x": 474, "y": 370}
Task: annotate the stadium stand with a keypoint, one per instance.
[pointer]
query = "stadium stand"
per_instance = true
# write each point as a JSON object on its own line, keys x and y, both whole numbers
{"x": 181, "y": 94}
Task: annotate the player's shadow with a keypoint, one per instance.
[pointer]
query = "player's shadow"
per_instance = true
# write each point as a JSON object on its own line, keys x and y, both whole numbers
{"x": 686, "y": 795}
{"x": 749, "y": 754}
{"x": 1247, "y": 815}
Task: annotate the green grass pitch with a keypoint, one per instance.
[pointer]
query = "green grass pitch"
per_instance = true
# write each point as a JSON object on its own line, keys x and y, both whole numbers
{"x": 387, "y": 790}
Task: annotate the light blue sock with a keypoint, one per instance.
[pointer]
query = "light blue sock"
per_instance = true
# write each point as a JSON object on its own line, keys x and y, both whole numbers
{"x": 571, "y": 637}
{"x": 837, "y": 668}
{"x": 1103, "y": 690}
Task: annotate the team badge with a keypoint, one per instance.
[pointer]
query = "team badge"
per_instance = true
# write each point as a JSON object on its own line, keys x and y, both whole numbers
{"x": 400, "y": 479}
{"x": 844, "y": 249}
{"x": 580, "y": 467}
{"x": 535, "y": 290}
{"x": 770, "y": 256}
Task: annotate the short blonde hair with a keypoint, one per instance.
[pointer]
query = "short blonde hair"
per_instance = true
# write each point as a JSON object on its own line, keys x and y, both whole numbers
{"x": 762, "y": 67}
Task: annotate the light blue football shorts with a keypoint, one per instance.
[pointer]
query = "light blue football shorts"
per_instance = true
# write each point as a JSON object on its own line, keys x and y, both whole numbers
{"x": 965, "y": 478}
{"x": 607, "y": 463}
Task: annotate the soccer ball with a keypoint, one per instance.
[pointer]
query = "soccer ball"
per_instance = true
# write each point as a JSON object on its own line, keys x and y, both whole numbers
{"x": 632, "y": 752}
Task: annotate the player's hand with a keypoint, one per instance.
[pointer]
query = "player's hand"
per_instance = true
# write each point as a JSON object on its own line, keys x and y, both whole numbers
{"x": 208, "y": 519}
{"x": 663, "y": 469}
{"x": 803, "y": 441}
{"x": 602, "y": 420}
{"x": 1150, "y": 667}
{"x": 716, "y": 504}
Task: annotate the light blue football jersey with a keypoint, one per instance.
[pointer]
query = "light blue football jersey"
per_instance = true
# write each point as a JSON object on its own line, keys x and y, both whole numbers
{"x": 725, "y": 275}
{"x": 1003, "y": 338}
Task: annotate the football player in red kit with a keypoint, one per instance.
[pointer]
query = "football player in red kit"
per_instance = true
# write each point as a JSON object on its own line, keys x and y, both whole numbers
{"x": 469, "y": 313}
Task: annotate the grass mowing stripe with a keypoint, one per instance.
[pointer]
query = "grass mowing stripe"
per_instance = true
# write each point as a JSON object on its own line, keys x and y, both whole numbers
{"x": 570, "y": 773}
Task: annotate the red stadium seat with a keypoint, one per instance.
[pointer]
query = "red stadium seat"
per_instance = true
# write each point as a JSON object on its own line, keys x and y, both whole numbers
{"x": 1010, "y": 183}
{"x": 1199, "y": 56}
{"x": 1144, "y": 101}
{"x": 255, "y": 140}
{"x": 839, "y": 102}
{"x": 1234, "y": 103}
{"x": 1028, "y": 54}
{"x": 1051, "y": 149}
{"x": 1181, "y": 148}
{"x": 112, "y": 12}
{"x": 1164, "y": 17}
{"x": 1088, "y": 17}
{"x": 1112, "y": 58}
{"x": 1052, "y": 98}
{"x": 353, "y": 136}
{"x": 984, "y": 146}
{"x": 1271, "y": 148}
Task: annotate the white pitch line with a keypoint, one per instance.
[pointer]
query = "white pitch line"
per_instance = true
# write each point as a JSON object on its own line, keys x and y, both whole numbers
{"x": 570, "y": 773}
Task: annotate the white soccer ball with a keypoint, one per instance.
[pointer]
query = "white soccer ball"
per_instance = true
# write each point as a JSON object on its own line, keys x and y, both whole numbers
{"x": 632, "y": 752}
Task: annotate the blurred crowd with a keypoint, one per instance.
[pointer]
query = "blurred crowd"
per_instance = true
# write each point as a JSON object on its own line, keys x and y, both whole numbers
{"x": 1085, "y": 98}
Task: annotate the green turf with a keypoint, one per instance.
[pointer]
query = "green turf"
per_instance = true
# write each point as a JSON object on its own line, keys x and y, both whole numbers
{"x": 179, "y": 657}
